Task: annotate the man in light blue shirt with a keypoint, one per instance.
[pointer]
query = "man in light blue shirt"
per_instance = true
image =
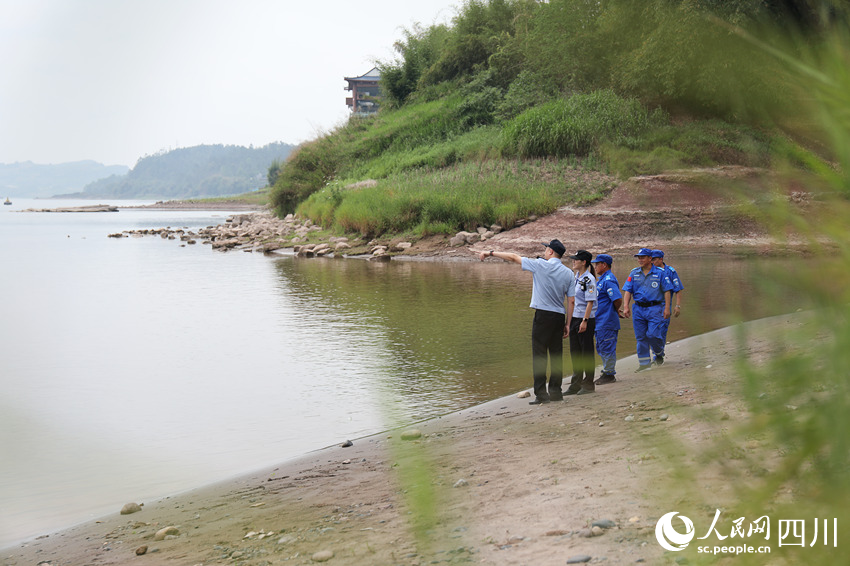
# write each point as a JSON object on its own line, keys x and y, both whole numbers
{"x": 552, "y": 281}
{"x": 607, "y": 317}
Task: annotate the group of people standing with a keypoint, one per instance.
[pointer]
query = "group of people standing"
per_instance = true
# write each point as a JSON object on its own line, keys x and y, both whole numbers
{"x": 584, "y": 303}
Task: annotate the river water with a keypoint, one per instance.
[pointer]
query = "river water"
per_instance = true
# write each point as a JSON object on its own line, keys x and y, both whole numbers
{"x": 135, "y": 368}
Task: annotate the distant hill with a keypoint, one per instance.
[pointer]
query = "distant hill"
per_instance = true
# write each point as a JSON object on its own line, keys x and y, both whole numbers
{"x": 199, "y": 171}
{"x": 35, "y": 180}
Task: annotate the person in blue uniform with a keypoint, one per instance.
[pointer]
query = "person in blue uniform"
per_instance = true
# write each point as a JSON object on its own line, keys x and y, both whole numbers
{"x": 552, "y": 282}
{"x": 583, "y": 325}
{"x": 607, "y": 317}
{"x": 652, "y": 291}
{"x": 675, "y": 301}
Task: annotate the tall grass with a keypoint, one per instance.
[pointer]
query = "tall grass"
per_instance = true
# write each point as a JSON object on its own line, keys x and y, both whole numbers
{"x": 463, "y": 197}
{"x": 577, "y": 125}
{"x": 689, "y": 143}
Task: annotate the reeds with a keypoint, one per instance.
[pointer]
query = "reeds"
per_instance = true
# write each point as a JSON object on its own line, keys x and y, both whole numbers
{"x": 463, "y": 197}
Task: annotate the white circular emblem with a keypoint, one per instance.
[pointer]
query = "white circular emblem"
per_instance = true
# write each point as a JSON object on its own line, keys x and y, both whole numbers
{"x": 654, "y": 284}
{"x": 669, "y": 537}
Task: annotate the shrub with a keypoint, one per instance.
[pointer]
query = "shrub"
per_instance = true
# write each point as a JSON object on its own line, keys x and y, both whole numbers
{"x": 577, "y": 125}
{"x": 430, "y": 201}
{"x": 306, "y": 171}
{"x": 526, "y": 91}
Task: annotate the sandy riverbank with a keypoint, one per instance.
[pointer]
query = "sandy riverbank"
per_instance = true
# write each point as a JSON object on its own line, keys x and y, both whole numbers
{"x": 509, "y": 483}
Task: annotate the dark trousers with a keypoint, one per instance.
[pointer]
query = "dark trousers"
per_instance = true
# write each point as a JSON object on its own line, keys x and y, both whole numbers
{"x": 581, "y": 353}
{"x": 547, "y": 348}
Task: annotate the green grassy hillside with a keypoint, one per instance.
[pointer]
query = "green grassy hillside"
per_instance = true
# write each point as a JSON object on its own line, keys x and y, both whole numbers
{"x": 501, "y": 114}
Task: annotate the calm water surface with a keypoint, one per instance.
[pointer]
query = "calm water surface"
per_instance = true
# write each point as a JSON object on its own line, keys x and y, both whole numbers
{"x": 136, "y": 368}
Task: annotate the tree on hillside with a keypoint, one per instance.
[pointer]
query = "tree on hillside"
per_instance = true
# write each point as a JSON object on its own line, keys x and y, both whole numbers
{"x": 678, "y": 53}
{"x": 419, "y": 49}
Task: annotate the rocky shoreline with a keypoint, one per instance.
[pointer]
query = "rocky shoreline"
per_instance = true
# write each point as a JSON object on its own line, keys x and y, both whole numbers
{"x": 263, "y": 232}
{"x": 678, "y": 211}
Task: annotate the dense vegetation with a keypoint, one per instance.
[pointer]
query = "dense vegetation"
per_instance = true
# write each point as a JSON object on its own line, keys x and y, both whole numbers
{"x": 618, "y": 86}
{"x": 200, "y": 171}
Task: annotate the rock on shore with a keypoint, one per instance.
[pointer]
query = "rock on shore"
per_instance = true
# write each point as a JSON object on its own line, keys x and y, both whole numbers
{"x": 255, "y": 232}
{"x": 266, "y": 233}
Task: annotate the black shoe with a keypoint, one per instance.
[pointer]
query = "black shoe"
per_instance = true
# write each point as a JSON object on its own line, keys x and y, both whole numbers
{"x": 643, "y": 368}
{"x": 572, "y": 391}
{"x": 586, "y": 392}
{"x": 555, "y": 398}
{"x": 659, "y": 359}
{"x": 538, "y": 401}
{"x": 605, "y": 378}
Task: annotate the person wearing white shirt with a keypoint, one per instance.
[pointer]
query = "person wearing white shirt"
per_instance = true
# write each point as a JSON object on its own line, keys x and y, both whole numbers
{"x": 583, "y": 325}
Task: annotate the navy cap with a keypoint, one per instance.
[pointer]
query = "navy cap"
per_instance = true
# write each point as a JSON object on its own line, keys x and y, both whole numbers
{"x": 556, "y": 246}
{"x": 603, "y": 258}
{"x": 657, "y": 253}
{"x": 644, "y": 251}
{"x": 582, "y": 255}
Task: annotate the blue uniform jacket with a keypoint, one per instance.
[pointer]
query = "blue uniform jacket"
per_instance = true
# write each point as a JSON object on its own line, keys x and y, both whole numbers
{"x": 608, "y": 289}
{"x": 674, "y": 278}
{"x": 650, "y": 287}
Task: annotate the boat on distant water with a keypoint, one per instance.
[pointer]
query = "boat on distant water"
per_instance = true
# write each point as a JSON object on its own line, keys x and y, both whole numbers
{"x": 7, "y": 201}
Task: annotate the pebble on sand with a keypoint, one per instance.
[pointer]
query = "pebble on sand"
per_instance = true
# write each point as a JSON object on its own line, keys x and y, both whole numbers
{"x": 411, "y": 434}
{"x": 131, "y": 508}
{"x": 322, "y": 556}
{"x": 166, "y": 531}
{"x": 604, "y": 524}
{"x": 580, "y": 559}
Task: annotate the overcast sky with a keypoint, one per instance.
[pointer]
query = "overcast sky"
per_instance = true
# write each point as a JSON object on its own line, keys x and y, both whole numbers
{"x": 115, "y": 80}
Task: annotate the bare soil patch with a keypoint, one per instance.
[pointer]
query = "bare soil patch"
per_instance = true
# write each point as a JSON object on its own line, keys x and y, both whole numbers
{"x": 703, "y": 211}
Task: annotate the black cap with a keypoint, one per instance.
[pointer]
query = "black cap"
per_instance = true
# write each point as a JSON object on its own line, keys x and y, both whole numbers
{"x": 557, "y": 247}
{"x": 583, "y": 255}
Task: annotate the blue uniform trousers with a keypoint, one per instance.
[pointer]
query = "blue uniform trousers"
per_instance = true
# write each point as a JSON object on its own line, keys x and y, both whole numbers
{"x": 650, "y": 327}
{"x": 606, "y": 347}
{"x": 665, "y": 327}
